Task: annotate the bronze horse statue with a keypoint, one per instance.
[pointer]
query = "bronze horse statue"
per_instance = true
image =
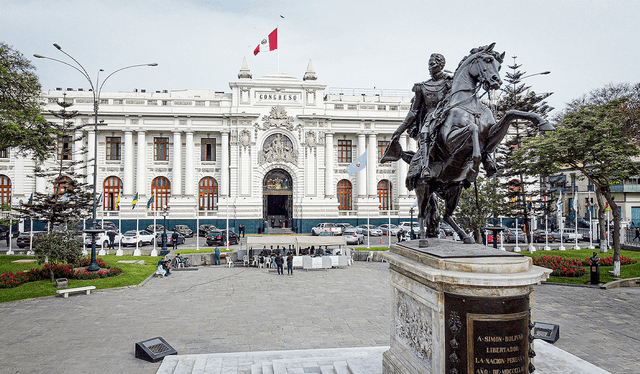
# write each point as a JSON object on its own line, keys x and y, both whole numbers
{"x": 464, "y": 134}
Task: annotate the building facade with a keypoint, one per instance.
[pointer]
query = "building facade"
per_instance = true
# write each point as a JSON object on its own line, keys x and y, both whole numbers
{"x": 274, "y": 149}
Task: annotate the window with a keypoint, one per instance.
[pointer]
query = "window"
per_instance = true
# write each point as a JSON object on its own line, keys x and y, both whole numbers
{"x": 4, "y": 152}
{"x": 161, "y": 188}
{"x": 382, "y": 146}
{"x": 112, "y": 188}
{"x": 208, "y": 194}
{"x": 64, "y": 147}
{"x": 344, "y": 150}
{"x": 161, "y": 149}
{"x": 5, "y": 189}
{"x": 344, "y": 195}
{"x": 61, "y": 185}
{"x": 208, "y": 149}
{"x": 384, "y": 194}
{"x": 113, "y": 148}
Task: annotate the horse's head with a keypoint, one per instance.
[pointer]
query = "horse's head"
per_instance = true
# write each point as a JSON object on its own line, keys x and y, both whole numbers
{"x": 484, "y": 66}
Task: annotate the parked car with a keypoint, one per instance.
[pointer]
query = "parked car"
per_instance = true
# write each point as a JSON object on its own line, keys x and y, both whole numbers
{"x": 184, "y": 230}
{"x": 205, "y": 228}
{"x": 107, "y": 225}
{"x": 448, "y": 230}
{"x": 326, "y": 227}
{"x": 571, "y": 234}
{"x": 158, "y": 228}
{"x": 489, "y": 235}
{"x": 102, "y": 239}
{"x": 541, "y": 236}
{"x": 369, "y": 230}
{"x": 406, "y": 227}
{"x": 352, "y": 236}
{"x": 385, "y": 228}
{"x": 141, "y": 237}
{"x": 343, "y": 226}
{"x": 25, "y": 238}
{"x": 510, "y": 236}
{"x": 181, "y": 238}
{"x": 219, "y": 237}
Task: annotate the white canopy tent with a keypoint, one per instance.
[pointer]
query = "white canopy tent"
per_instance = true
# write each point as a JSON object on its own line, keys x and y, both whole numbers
{"x": 257, "y": 242}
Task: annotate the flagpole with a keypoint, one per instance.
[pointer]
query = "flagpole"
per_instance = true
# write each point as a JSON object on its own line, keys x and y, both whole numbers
{"x": 137, "y": 251}
{"x": 119, "y": 251}
{"x": 10, "y": 252}
{"x": 366, "y": 176}
{"x": 198, "y": 225}
{"x": 590, "y": 222}
{"x": 575, "y": 213}
{"x": 278, "y": 37}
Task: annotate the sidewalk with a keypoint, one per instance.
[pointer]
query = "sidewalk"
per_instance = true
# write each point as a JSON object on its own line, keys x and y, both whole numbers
{"x": 226, "y": 310}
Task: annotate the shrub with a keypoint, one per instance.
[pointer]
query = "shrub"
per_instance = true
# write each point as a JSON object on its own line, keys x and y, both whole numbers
{"x": 608, "y": 261}
{"x": 561, "y": 266}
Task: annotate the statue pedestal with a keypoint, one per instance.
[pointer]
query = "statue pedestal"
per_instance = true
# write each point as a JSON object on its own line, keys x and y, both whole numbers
{"x": 460, "y": 309}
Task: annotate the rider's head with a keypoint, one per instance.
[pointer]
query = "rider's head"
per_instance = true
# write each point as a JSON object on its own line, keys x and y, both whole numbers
{"x": 436, "y": 64}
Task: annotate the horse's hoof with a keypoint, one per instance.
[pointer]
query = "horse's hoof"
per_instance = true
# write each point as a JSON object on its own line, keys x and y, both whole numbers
{"x": 468, "y": 240}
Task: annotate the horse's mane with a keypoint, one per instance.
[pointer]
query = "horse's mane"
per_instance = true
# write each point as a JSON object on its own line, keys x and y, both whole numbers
{"x": 482, "y": 49}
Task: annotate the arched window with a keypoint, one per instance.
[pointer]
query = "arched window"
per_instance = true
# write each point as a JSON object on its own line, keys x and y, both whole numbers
{"x": 208, "y": 194}
{"x": 161, "y": 188}
{"x": 112, "y": 188}
{"x": 61, "y": 185}
{"x": 5, "y": 189}
{"x": 384, "y": 194}
{"x": 344, "y": 195}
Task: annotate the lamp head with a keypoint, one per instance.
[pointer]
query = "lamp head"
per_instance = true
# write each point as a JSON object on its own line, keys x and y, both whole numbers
{"x": 38, "y": 56}
{"x": 57, "y": 46}
{"x": 153, "y": 64}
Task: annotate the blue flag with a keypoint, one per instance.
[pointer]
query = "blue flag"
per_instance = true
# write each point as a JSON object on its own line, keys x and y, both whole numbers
{"x": 134, "y": 202}
{"x": 151, "y": 200}
{"x": 359, "y": 164}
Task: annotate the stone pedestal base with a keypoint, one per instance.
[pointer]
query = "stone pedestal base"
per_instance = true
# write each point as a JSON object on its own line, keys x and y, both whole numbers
{"x": 460, "y": 309}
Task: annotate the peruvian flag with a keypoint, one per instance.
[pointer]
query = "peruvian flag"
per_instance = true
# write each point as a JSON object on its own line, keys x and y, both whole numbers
{"x": 267, "y": 44}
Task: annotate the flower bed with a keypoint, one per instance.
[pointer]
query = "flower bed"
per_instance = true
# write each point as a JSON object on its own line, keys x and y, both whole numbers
{"x": 561, "y": 266}
{"x": 14, "y": 279}
{"x": 608, "y": 261}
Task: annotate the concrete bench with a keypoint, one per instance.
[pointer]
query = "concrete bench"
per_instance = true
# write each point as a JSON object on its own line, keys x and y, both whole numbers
{"x": 67, "y": 291}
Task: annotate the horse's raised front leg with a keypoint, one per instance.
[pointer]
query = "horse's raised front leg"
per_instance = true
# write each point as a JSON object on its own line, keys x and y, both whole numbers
{"x": 499, "y": 130}
{"x": 451, "y": 196}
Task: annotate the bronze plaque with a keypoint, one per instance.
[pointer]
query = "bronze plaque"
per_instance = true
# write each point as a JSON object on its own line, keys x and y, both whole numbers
{"x": 487, "y": 335}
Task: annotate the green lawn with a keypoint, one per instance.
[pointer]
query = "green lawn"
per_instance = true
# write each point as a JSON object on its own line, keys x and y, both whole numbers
{"x": 132, "y": 274}
{"x": 626, "y": 271}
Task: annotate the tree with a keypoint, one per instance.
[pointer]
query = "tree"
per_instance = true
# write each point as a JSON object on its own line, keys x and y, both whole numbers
{"x": 490, "y": 203}
{"x": 523, "y": 191}
{"x": 70, "y": 202}
{"x": 22, "y": 125}
{"x": 58, "y": 247}
{"x": 589, "y": 139}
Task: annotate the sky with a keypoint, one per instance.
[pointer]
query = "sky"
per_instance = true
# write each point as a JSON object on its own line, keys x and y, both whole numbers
{"x": 360, "y": 44}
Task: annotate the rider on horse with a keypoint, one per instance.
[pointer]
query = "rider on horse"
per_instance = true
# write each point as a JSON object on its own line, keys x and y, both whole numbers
{"x": 427, "y": 96}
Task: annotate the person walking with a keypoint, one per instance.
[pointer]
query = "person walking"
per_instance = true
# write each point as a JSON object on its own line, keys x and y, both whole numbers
{"x": 634, "y": 239}
{"x": 112, "y": 238}
{"x": 216, "y": 256}
{"x": 174, "y": 240}
{"x": 290, "y": 264}
{"x": 279, "y": 263}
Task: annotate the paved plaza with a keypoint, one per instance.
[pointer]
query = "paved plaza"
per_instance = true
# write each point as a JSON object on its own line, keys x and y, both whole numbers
{"x": 221, "y": 309}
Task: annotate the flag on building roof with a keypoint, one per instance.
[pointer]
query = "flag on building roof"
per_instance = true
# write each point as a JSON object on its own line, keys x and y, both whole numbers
{"x": 134, "y": 202}
{"x": 267, "y": 44}
{"x": 151, "y": 200}
{"x": 359, "y": 164}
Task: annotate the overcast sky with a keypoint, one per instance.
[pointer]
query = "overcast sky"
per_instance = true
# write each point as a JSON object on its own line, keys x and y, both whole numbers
{"x": 354, "y": 44}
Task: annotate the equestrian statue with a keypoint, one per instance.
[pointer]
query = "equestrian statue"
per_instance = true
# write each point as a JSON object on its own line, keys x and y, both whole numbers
{"x": 456, "y": 133}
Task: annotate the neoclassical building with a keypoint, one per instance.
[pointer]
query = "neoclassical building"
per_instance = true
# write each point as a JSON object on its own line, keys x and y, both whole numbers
{"x": 275, "y": 148}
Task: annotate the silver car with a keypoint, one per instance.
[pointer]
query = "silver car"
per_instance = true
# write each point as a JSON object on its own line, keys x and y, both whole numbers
{"x": 352, "y": 236}
{"x": 369, "y": 230}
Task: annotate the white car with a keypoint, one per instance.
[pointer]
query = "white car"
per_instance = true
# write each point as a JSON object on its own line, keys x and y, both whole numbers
{"x": 102, "y": 239}
{"x": 369, "y": 229}
{"x": 352, "y": 236}
{"x": 391, "y": 228}
{"x": 571, "y": 234}
{"x": 141, "y": 237}
{"x": 406, "y": 227}
{"x": 330, "y": 228}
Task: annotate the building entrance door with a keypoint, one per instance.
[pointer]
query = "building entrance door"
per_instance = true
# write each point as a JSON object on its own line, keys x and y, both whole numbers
{"x": 277, "y": 199}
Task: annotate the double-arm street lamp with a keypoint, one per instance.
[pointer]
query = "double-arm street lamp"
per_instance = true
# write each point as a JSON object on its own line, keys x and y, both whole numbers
{"x": 165, "y": 213}
{"x": 96, "y": 89}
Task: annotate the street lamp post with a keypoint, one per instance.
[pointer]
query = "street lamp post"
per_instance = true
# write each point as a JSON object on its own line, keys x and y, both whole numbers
{"x": 165, "y": 213}
{"x": 96, "y": 89}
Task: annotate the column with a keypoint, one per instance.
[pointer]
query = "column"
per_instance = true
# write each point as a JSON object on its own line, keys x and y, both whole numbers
{"x": 372, "y": 161}
{"x": 329, "y": 186}
{"x": 402, "y": 170}
{"x": 91, "y": 154}
{"x": 127, "y": 183}
{"x": 189, "y": 167}
{"x": 176, "y": 183}
{"x": 361, "y": 177}
{"x": 141, "y": 172}
{"x": 224, "y": 164}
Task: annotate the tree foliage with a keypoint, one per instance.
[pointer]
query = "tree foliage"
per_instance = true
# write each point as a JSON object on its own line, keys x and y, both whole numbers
{"x": 58, "y": 247}
{"x": 591, "y": 140}
{"x": 491, "y": 202}
{"x": 22, "y": 126}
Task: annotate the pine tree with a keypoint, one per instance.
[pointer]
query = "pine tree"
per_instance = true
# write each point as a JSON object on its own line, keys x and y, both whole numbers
{"x": 524, "y": 190}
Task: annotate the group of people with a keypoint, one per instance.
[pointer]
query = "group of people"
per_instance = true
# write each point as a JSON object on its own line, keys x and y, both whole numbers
{"x": 276, "y": 259}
